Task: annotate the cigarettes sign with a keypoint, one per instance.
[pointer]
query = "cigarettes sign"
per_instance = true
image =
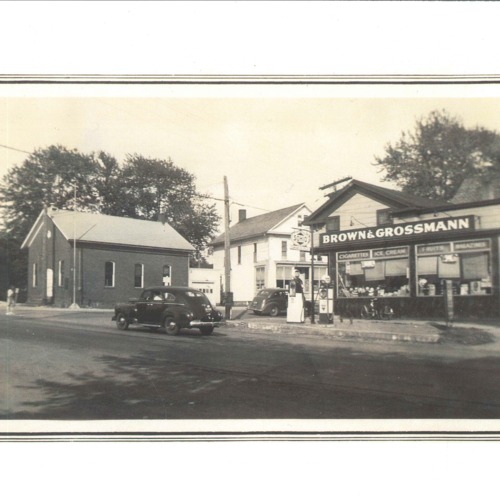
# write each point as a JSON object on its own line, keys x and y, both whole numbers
{"x": 453, "y": 224}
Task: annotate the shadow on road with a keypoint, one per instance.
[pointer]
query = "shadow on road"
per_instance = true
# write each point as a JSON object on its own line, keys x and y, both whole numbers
{"x": 266, "y": 381}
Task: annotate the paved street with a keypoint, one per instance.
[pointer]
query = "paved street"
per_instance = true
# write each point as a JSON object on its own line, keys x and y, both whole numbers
{"x": 61, "y": 364}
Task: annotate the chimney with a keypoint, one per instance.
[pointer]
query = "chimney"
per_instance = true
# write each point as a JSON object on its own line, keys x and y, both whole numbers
{"x": 242, "y": 215}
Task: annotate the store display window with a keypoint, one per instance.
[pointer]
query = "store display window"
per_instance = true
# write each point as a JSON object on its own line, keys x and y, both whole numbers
{"x": 466, "y": 263}
{"x": 371, "y": 273}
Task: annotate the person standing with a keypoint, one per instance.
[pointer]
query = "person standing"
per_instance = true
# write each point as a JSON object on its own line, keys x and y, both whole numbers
{"x": 299, "y": 285}
{"x": 11, "y": 300}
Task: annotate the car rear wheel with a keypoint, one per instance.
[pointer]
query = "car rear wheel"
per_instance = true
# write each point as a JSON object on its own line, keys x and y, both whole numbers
{"x": 171, "y": 327}
{"x": 122, "y": 322}
{"x": 206, "y": 330}
{"x": 274, "y": 311}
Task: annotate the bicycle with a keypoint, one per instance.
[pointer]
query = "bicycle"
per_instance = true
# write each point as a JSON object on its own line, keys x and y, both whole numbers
{"x": 371, "y": 311}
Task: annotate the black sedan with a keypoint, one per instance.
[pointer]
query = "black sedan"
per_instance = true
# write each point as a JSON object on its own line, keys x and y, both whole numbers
{"x": 169, "y": 307}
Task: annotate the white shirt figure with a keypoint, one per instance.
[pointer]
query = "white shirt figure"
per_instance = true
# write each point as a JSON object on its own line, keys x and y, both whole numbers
{"x": 10, "y": 300}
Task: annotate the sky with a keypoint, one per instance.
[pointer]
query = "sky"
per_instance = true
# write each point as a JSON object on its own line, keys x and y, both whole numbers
{"x": 277, "y": 145}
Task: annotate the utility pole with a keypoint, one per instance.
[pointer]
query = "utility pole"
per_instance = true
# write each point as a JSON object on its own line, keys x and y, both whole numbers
{"x": 228, "y": 299}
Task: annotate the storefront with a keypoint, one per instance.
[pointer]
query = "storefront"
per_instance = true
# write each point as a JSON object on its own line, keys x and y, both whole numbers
{"x": 406, "y": 263}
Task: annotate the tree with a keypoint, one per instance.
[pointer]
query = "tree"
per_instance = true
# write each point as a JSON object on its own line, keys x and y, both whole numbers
{"x": 142, "y": 188}
{"x": 156, "y": 189}
{"x": 434, "y": 160}
{"x": 48, "y": 177}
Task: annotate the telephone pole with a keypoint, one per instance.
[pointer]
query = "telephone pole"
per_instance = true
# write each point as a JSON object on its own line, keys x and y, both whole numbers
{"x": 228, "y": 299}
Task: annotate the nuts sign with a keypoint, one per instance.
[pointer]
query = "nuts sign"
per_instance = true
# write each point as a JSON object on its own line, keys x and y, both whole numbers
{"x": 301, "y": 240}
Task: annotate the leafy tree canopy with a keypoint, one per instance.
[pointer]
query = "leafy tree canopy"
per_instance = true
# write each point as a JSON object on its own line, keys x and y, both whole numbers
{"x": 144, "y": 188}
{"x": 434, "y": 159}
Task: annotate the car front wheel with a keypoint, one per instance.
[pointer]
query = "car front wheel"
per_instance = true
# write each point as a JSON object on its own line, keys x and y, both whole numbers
{"x": 171, "y": 327}
{"x": 122, "y": 322}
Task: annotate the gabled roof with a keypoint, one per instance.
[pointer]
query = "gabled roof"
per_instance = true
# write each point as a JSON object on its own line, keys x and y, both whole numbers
{"x": 392, "y": 198}
{"x": 108, "y": 229}
{"x": 478, "y": 188}
{"x": 257, "y": 226}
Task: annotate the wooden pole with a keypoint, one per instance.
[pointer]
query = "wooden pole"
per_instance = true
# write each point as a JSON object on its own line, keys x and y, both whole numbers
{"x": 227, "y": 253}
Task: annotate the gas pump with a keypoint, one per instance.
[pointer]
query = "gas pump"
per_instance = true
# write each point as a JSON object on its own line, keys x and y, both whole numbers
{"x": 295, "y": 308}
{"x": 325, "y": 301}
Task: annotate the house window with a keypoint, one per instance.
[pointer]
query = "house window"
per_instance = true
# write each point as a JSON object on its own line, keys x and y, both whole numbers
{"x": 284, "y": 248}
{"x": 260, "y": 277}
{"x": 383, "y": 216}
{"x": 109, "y": 274}
{"x": 255, "y": 252}
{"x": 139, "y": 276}
{"x": 239, "y": 255}
{"x": 34, "y": 275}
{"x": 333, "y": 223}
{"x": 167, "y": 275}
{"x": 60, "y": 273}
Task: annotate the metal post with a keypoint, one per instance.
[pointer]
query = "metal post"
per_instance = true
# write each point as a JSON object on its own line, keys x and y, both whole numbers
{"x": 312, "y": 275}
{"x": 74, "y": 305}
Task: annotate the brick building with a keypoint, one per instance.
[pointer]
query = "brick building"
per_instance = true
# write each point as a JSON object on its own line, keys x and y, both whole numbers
{"x": 116, "y": 257}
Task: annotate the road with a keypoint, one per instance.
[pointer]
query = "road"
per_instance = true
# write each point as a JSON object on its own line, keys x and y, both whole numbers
{"x": 61, "y": 367}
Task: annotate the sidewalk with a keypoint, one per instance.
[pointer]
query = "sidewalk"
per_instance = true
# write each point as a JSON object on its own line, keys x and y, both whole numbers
{"x": 397, "y": 330}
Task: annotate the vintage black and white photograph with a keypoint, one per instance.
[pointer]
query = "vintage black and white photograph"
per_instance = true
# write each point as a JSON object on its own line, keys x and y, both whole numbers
{"x": 252, "y": 253}
{"x": 272, "y": 232}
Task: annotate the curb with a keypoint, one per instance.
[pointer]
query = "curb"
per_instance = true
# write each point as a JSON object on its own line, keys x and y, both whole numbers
{"x": 330, "y": 331}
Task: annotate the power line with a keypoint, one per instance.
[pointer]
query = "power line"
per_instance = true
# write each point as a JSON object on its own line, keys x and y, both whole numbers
{"x": 171, "y": 190}
{"x": 16, "y": 149}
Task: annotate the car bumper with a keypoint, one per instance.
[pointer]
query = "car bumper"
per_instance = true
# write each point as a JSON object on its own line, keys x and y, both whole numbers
{"x": 197, "y": 323}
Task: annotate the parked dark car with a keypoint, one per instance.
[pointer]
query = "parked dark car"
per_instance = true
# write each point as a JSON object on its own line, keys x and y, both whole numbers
{"x": 272, "y": 301}
{"x": 169, "y": 307}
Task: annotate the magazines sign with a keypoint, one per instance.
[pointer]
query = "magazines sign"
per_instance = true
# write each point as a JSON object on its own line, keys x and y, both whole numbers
{"x": 301, "y": 240}
{"x": 408, "y": 229}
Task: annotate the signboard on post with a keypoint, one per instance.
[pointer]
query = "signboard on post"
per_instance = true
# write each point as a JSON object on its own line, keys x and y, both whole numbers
{"x": 448, "y": 301}
{"x": 301, "y": 240}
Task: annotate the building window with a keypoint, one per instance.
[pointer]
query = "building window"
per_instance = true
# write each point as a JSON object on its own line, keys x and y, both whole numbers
{"x": 34, "y": 275}
{"x": 167, "y": 275}
{"x": 139, "y": 276}
{"x": 284, "y": 248}
{"x": 255, "y": 252}
{"x": 466, "y": 263}
{"x": 260, "y": 277}
{"x": 60, "y": 273}
{"x": 382, "y": 272}
{"x": 239, "y": 255}
{"x": 109, "y": 274}
{"x": 333, "y": 223}
{"x": 383, "y": 216}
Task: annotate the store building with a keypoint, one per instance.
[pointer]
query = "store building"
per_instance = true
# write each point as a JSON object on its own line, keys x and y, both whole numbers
{"x": 263, "y": 254}
{"x": 97, "y": 260}
{"x": 403, "y": 249}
